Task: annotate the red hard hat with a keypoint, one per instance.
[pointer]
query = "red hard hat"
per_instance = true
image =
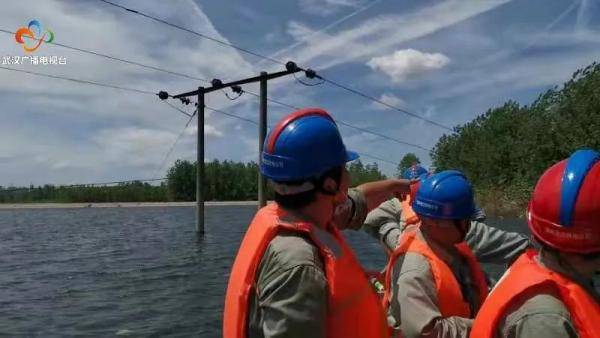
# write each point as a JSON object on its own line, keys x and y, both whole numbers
{"x": 564, "y": 211}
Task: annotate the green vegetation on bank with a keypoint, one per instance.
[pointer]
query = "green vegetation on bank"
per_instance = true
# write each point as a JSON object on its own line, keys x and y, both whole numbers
{"x": 506, "y": 149}
{"x": 225, "y": 181}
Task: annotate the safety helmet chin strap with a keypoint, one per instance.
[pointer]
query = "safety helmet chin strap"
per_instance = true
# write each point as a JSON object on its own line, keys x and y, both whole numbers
{"x": 287, "y": 189}
{"x": 317, "y": 183}
{"x": 458, "y": 224}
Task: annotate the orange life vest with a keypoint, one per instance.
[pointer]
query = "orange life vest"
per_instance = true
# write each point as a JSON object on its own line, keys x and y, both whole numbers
{"x": 526, "y": 278}
{"x": 354, "y": 309}
{"x": 409, "y": 215}
{"x": 450, "y": 298}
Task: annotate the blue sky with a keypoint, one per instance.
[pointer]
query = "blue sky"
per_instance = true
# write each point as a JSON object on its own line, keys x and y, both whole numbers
{"x": 448, "y": 61}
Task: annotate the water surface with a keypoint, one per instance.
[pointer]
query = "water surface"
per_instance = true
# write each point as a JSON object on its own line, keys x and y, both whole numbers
{"x": 127, "y": 271}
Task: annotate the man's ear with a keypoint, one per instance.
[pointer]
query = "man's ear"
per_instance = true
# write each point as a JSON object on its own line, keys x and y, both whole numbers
{"x": 330, "y": 186}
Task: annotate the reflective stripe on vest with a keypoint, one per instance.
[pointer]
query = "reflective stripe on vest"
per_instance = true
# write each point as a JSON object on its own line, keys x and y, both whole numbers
{"x": 526, "y": 278}
{"x": 354, "y": 309}
{"x": 409, "y": 215}
{"x": 450, "y": 298}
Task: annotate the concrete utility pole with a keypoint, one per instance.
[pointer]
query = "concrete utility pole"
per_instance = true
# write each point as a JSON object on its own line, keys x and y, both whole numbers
{"x": 263, "y": 78}
{"x": 200, "y": 165}
{"x": 262, "y": 134}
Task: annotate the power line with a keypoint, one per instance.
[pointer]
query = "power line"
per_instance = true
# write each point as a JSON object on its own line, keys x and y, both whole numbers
{"x": 256, "y": 123}
{"x": 381, "y": 135}
{"x": 179, "y": 110}
{"x": 114, "y": 58}
{"x": 216, "y": 110}
{"x": 86, "y": 184}
{"x": 378, "y": 159}
{"x": 364, "y": 130}
{"x": 231, "y": 115}
{"x": 334, "y": 83}
{"x": 188, "y": 123}
{"x": 140, "y": 91}
{"x": 374, "y": 99}
{"x": 164, "y": 161}
{"x": 204, "y": 36}
{"x": 92, "y": 83}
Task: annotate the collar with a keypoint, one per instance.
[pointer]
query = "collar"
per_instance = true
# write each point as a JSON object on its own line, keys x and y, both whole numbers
{"x": 552, "y": 261}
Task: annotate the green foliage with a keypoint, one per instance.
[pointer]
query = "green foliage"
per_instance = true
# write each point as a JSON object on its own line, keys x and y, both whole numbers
{"x": 507, "y": 148}
{"x": 407, "y": 161}
{"x": 224, "y": 181}
{"x": 181, "y": 181}
{"x": 360, "y": 173}
{"x": 126, "y": 192}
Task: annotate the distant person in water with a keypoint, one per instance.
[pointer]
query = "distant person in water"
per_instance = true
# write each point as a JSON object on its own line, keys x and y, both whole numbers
{"x": 550, "y": 292}
{"x": 294, "y": 274}
{"x": 434, "y": 281}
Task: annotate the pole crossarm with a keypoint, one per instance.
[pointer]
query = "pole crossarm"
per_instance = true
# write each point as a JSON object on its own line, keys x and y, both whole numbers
{"x": 291, "y": 68}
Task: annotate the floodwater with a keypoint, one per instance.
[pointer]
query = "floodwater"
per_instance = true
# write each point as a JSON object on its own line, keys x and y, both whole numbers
{"x": 128, "y": 271}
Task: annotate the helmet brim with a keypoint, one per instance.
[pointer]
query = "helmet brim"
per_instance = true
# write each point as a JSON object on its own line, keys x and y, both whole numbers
{"x": 351, "y": 155}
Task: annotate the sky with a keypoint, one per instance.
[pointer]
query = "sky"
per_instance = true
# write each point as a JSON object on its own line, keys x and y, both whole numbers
{"x": 446, "y": 61}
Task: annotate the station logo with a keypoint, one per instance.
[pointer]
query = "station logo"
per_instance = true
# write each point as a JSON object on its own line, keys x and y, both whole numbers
{"x": 33, "y": 36}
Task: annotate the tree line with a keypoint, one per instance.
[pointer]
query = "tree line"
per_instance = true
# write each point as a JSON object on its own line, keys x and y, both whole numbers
{"x": 224, "y": 181}
{"x": 505, "y": 150}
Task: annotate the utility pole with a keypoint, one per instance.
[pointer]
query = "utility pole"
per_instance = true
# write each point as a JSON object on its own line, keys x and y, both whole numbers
{"x": 263, "y": 78}
{"x": 262, "y": 134}
{"x": 200, "y": 165}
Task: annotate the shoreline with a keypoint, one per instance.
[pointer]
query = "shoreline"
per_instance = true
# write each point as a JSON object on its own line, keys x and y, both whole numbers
{"x": 12, "y": 206}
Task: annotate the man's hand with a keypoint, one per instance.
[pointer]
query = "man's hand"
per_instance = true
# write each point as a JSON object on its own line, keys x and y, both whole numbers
{"x": 380, "y": 191}
{"x": 413, "y": 186}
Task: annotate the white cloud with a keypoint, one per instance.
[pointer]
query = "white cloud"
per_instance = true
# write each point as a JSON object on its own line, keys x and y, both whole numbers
{"x": 515, "y": 74}
{"x": 327, "y": 7}
{"x": 390, "y": 99}
{"x": 209, "y": 130}
{"x": 384, "y": 33}
{"x": 132, "y": 144}
{"x": 405, "y": 63}
{"x": 299, "y": 31}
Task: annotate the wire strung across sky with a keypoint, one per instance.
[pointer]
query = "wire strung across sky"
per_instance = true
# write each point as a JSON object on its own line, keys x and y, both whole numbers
{"x": 207, "y": 81}
{"x": 166, "y": 158}
{"x": 250, "y": 52}
{"x": 183, "y": 112}
{"x": 378, "y": 159}
{"x": 364, "y": 130}
{"x": 212, "y": 109}
{"x": 114, "y": 58}
{"x": 204, "y": 36}
{"x": 255, "y": 123}
{"x": 140, "y": 91}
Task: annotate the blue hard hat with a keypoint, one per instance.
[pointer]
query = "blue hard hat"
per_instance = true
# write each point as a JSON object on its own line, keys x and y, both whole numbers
{"x": 303, "y": 145}
{"x": 414, "y": 172}
{"x": 445, "y": 195}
